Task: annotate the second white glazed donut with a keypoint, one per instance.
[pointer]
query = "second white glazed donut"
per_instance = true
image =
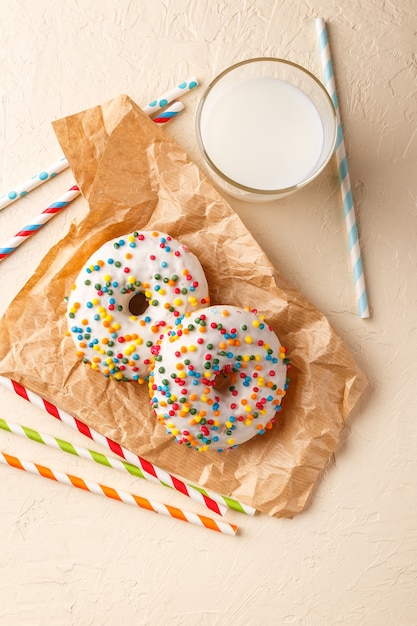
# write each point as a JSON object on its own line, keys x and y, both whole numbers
{"x": 218, "y": 378}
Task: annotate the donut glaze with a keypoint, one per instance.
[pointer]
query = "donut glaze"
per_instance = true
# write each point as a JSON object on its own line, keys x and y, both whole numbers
{"x": 125, "y": 294}
{"x": 218, "y": 378}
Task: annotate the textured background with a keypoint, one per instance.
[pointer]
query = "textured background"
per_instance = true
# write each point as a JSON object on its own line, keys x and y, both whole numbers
{"x": 351, "y": 558}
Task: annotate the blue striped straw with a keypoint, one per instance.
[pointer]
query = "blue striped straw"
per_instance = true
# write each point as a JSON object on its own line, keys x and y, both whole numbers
{"x": 345, "y": 186}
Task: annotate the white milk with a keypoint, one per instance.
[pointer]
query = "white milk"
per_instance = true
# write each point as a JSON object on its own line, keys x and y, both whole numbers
{"x": 262, "y": 133}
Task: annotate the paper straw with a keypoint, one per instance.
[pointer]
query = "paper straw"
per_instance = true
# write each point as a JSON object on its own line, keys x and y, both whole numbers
{"x": 345, "y": 186}
{"x": 151, "y": 472}
{"x": 169, "y": 96}
{"x": 169, "y": 113}
{"x": 39, "y": 221}
{"x": 24, "y": 188}
{"x": 122, "y": 496}
{"x": 52, "y": 170}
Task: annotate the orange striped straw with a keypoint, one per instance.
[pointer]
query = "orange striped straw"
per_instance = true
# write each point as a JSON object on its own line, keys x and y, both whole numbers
{"x": 122, "y": 496}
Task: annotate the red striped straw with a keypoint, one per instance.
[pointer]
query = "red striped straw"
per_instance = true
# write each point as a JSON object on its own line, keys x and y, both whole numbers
{"x": 122, "y": 496}
{"x": 169, "y": 113}
{"x": 151, "y": 472}
{"x": 39, "y": 221}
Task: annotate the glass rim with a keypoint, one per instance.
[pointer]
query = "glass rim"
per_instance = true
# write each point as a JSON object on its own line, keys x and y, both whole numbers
{"x": 231, "y": 181}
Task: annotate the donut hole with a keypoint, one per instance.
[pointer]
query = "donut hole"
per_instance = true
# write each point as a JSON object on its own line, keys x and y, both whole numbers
{"x": 224, "y": 380}
{"x": 138, "y": 303}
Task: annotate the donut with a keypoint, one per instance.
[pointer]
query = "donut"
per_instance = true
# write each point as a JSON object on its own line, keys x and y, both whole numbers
{"x": 218, "y": 379}
{"x": 126, "y": 293}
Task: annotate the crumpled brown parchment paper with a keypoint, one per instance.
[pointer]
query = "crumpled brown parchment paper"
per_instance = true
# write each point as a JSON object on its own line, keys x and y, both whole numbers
{"x": 133, "y": 175}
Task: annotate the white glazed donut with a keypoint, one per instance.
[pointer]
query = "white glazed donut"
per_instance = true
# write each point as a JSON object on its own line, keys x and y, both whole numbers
{"x": 219, "y": 378}
{"x": 126, "y": 293}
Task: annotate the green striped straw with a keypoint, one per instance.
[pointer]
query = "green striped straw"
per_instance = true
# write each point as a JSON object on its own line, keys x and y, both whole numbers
{"x": 102, "y": 459}
{"x": 66, "y": 446}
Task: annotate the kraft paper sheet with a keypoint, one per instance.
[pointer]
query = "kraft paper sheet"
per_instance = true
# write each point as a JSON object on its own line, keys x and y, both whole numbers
{"x": 133, "y": 175}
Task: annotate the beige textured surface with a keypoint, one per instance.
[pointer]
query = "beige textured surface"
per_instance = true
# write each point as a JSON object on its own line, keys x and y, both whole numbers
{"x": 351, "y": 557}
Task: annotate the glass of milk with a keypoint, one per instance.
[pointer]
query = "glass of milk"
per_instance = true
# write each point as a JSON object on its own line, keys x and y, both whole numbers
{"x": 266, "y": 127}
